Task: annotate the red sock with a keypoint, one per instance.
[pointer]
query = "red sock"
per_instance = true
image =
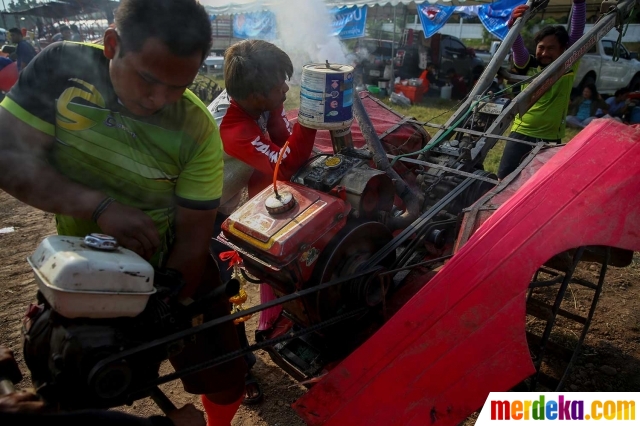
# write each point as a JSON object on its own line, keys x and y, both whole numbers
{"x": 220, "y": 415}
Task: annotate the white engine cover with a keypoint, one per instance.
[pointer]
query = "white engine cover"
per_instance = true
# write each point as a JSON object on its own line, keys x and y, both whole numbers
{"x": 79, "y": 281}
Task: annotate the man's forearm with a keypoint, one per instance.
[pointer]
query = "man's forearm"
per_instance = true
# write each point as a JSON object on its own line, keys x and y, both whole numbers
{"x": 520, "y": 52}
{"x": 191, "y": 263}
{"x": 194, "y": 230}
{"x": 35, "y": 182}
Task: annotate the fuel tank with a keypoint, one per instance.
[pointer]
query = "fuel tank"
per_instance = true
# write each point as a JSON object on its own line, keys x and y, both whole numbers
{"x": 282, "y": 246}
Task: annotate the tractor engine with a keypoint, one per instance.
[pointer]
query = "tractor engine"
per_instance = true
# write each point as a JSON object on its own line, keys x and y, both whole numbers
{"x": 317, "y": 228}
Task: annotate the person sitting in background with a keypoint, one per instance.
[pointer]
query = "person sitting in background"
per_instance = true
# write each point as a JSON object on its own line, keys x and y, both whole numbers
{"x": 618, "y": 105}
{"x": 429, "y": 78}
{"x": 583, "y": 109}
{"x": 459, "y": 89}
{"x": 24, "y": 51}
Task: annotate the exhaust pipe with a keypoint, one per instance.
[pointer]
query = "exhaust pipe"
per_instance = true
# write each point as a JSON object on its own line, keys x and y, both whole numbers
{"x": 411, "y": 199}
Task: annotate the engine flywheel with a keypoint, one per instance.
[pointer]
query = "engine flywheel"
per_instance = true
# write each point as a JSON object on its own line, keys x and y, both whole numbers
{"x": 344, "y": 256}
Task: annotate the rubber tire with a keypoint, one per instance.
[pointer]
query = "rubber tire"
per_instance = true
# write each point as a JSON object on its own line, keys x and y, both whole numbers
{"x": 588, "y": 79}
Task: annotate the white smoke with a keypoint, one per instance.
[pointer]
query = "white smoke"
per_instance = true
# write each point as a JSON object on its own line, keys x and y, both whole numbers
{"x": 304, "y": 30}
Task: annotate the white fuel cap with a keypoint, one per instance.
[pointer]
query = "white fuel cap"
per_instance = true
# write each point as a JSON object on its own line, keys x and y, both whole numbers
{"x": 279, "y": 203}
{"x": 101, "y": 242}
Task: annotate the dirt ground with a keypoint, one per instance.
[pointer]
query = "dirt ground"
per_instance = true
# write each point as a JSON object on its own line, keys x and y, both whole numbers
{"x": 610, "y": 360}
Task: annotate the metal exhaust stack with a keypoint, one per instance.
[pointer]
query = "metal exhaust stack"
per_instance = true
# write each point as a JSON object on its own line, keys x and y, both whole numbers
{"x": 341, "y": 140}
{"x": 411, "y": 199}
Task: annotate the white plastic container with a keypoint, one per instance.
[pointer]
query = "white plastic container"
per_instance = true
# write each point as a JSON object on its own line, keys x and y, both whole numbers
{"x": 445, "y": 92}
{"x": 326, "y": 96}
{"x": 83, "y": 282}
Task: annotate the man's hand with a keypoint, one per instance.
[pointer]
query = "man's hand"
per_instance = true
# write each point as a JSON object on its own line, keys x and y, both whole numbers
{"x": 6, "y": 357}
{"x": 9, "y": 369}
{"x": 517, "y": 12}
{"x": 131, "y": 227}
{"x": 20, "y": 402}
{"x": 187, "y": 416}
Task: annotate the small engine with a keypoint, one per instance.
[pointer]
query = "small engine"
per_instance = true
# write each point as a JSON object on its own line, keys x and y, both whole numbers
{"x": 96, "y": 300}
{"x": 62, "y": 352}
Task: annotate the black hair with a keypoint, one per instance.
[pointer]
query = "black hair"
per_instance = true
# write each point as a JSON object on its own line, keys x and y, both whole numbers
{"x": 622, "y": 91}
{"x": 594, "y": 90}
{"x": 181, "y": 25}
{"x": 254, "y": 67}
{"x": 64, "y": 28}
{"x": 15, "y": 31}
{"x": 558, "y": 31}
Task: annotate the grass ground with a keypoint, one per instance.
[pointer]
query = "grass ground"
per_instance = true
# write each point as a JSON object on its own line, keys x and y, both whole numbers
{"x": 433, "y": 110}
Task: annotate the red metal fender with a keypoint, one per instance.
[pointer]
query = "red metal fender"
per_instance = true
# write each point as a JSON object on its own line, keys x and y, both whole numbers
{"x": 463, "y": 335}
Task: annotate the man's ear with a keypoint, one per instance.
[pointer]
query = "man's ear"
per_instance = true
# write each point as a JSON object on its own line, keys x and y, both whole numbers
{"x": 111, "y": 43}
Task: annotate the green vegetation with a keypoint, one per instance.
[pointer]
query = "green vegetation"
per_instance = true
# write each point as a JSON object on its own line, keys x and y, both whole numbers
{"x": 477, "y": 43}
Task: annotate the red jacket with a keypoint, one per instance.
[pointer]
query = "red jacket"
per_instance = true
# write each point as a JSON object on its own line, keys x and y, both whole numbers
{"x": 258, "y": 143}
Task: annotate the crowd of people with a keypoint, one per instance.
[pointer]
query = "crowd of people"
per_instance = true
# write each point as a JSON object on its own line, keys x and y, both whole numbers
{"x": 26, "y": 48}
{"x": 590, "y": 105}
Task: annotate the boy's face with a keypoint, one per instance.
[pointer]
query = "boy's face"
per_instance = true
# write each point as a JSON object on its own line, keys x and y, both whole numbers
{"x": 276, "y": 97}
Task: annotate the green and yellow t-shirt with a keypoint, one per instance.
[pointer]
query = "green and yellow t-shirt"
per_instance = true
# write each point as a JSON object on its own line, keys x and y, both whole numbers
{"x": 546, "y": 118}
{"x": 173, "y": 157}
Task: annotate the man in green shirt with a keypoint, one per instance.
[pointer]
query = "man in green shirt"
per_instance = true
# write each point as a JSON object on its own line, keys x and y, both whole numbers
{"x": 545, "y": 120}
{"x": 110, "y": 140}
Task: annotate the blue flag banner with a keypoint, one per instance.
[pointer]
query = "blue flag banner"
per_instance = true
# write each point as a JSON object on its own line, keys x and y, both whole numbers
{"x": 348, "y": 22}
{"x": 465, "y": 11}
{"x": 433, "y": 17}
{"x": 494, "y": 16}
{"x": 257, "y": 25}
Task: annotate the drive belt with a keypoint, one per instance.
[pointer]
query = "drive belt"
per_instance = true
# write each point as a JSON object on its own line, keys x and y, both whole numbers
{"x": 418, "y": 224}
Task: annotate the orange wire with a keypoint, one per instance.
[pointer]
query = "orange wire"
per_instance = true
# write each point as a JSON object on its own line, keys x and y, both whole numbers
{"x": 275, "y": 171}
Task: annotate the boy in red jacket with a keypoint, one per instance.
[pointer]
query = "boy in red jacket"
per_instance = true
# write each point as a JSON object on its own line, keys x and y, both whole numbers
{"x": 254, "y": 128}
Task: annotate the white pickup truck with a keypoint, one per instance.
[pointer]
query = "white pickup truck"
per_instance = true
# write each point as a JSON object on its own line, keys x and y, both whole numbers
{"x": 487, "y": 55}
{"x": 597, "y": 66}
